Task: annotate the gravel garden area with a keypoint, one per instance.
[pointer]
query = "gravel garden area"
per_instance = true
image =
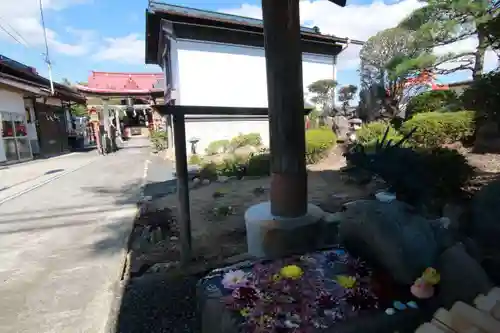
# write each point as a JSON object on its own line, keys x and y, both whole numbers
{"x": 417, "y": 238}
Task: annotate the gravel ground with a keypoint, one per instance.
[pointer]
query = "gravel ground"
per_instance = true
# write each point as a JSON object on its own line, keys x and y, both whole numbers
{"x": 157, "y": 303}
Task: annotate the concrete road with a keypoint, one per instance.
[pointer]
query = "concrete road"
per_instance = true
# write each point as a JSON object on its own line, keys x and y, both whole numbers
{"x": 160, "y": 180}
{"x": 62, "y": 245}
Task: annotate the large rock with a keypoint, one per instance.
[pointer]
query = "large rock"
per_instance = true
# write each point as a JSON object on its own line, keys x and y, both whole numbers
{"x": 485, "y": 226}
{"x": 341, "y": 127}
{"x": 392, "y": 236}
{"x": 462, "y": 277}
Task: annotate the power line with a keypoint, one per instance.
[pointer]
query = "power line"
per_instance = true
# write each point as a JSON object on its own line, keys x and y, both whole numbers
{"x": 18, "y": 34}
{"x": 12, "y": 36}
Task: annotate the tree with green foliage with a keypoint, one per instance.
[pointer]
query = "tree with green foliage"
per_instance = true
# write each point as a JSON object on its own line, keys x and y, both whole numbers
{"x": 79, "y": 110}
{"x": 444, "y": 22}
{"x": 483, "y": 96}
{"x": 492, "y": 28}
{"x": 346, "y": 95}
{"x": 389, "y": 59}
{"x": 323, "y": 93}
{"x": 431, "y": 101}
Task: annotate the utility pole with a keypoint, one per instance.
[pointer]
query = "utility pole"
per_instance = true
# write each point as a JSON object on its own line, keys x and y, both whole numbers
{"x": 47, "y": 57}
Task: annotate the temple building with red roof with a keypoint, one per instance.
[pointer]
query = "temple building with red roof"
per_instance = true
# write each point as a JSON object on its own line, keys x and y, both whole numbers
{"x": 124, "y": 98}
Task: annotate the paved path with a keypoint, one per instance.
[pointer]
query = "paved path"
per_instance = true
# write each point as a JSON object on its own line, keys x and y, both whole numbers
{"x": 160, "y": 179}
{"x": 16, "y": 179}
{"x": 61, "y": 245}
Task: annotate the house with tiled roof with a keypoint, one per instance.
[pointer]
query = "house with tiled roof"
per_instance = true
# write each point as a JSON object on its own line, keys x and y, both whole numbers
{"x": 34, "y": 114}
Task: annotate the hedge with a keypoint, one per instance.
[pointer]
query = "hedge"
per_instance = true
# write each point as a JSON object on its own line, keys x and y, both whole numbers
{"x": 432, "y": 101}
{"x": 434, "y": 129}
{"x": 318, "y": 144}
{"x": 369, "y": 133}
{"x": 216, "y": 147}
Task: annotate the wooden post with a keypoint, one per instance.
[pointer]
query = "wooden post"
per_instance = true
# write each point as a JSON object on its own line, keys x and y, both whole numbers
{"x": 184, "y": 214}
{"x": 286, "y": 107}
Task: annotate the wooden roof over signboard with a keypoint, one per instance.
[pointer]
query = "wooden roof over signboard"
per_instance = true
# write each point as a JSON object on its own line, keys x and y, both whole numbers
{"x": 196, "y": 24}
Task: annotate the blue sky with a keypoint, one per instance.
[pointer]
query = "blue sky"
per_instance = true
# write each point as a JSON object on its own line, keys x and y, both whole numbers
{"x": 108, "y": 35}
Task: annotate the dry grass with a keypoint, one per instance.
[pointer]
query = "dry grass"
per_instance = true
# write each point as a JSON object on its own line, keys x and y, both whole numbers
{"x": 217, "y": 210}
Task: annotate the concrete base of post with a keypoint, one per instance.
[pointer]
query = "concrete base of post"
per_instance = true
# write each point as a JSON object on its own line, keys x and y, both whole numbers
{"x": 271, "y": 236}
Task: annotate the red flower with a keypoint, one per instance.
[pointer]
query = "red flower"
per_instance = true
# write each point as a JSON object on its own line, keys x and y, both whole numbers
{"x": 327, "y": 301}
{"x": 245, "y": 295}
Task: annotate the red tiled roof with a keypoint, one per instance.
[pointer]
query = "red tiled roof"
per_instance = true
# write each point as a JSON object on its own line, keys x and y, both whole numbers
{"x": 122, "y": 82}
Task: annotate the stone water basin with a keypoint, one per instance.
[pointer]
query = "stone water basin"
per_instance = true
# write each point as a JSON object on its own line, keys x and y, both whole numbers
{"x": 323, "y": 291}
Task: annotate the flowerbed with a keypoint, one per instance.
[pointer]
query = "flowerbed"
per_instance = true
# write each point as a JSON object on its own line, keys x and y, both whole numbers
{"x": 303, "y": 293}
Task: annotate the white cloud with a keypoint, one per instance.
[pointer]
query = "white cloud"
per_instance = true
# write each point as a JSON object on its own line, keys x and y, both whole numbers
{"x": 353, "y": 21}
{"x": 359, "y": 22}
{"x": 128, "y": 49}
{"x": 21, "y": 18}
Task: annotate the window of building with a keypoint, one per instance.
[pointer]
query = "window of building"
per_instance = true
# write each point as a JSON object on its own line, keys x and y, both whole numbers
{"x": 14, "y": 136}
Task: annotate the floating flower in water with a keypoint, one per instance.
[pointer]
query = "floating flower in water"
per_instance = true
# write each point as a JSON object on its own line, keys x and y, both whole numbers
{"x": 326, "y": 301}
{"x": 246, "y": 296}
{"x": 245, "y": 312}
{"x": 431, "y": 276}
{"x": 291, "y": 272}
{"x": 234, "y": 279}
{"x": 346, "y": 281}
{"x": 291, "y": 324}
{"x": 361, "y": 299}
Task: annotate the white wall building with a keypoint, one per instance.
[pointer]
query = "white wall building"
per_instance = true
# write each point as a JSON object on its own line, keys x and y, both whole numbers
{"x": 214, "y": 59}
{"x": 27, "y": 105}
{"x": 17, "y": 130}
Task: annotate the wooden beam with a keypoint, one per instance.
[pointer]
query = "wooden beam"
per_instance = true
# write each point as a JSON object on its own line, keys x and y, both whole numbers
{"x": 184, "y": 214}
{"x": 216, "y": 110}
{"x": 286, "y": 102}
{"x": 243, "y": 36}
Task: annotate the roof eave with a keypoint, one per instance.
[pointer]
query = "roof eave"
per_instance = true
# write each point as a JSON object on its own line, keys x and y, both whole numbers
{"x": 311, "y": 43}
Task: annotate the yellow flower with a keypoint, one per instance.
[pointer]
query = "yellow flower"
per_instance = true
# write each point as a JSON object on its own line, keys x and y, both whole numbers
{"x": 346, "y": 281}
{"x": 276, "y": 277}
{"x": 291, "y": 272}
{"x": 244, "y": 312}
{"x": 431, "y": 276}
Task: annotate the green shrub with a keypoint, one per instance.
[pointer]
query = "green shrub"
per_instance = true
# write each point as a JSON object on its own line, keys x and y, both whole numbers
{"x": 432, "y": 101}
{"x": 425, "y": 178}
{"x": 209, "y": 171}
{"x": 158, "y": 140}
{"x": 434, "y": 129}
{"x": 371, "y": 132}
{"x": 250, "y": 139}
{"x": 195, "y": 160}
{"x": 231, "y": 168}
{"x": 450, "y": 172}
{"x": 216, "y": 147}
{"x": 318, "y": 144}
{"x": 259, "y": 165}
